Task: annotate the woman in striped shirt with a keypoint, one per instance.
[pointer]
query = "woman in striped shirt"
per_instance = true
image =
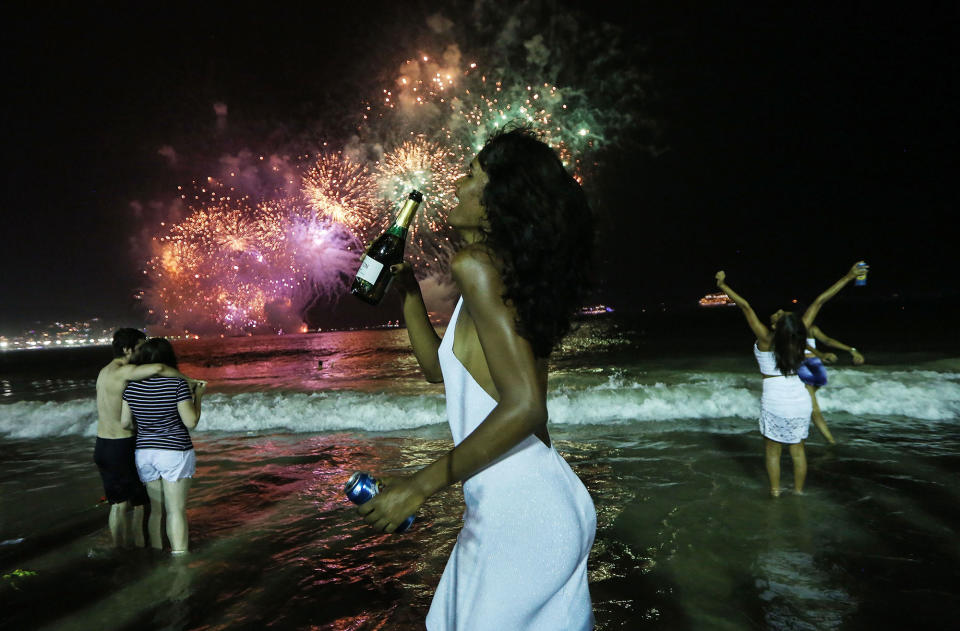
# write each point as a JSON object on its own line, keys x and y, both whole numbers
{"x": 164, "y": 408}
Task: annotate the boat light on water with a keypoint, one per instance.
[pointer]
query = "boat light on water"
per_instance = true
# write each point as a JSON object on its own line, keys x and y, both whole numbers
{"x": 593, "y": 310}
{"x": 717, "y": 300}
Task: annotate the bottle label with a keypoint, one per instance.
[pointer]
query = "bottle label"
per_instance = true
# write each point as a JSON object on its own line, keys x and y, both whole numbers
{"x": 369, "y": 270}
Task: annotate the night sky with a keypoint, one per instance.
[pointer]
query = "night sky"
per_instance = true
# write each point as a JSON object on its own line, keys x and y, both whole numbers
{"x": 778, "y": 143}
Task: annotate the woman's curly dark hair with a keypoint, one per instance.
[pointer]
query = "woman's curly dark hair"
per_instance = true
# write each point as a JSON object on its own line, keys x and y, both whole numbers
{"x": 541, "y": 227}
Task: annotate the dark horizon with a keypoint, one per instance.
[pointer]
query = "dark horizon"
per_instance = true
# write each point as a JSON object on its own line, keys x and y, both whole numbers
{"x": 786, "y": 142}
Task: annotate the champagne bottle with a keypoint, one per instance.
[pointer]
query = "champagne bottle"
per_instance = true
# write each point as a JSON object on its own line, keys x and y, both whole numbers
{"x": 374, "y": 277}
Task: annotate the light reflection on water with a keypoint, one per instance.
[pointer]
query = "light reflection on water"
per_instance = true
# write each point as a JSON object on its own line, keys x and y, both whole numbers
{"x": 355, "y": 360}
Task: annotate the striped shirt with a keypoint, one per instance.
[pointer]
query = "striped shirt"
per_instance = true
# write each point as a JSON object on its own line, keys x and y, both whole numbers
{"x": 153, "y": 402}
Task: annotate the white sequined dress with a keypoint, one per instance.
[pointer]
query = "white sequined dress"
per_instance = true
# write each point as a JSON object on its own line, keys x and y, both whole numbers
{"x": 520, "y": 561}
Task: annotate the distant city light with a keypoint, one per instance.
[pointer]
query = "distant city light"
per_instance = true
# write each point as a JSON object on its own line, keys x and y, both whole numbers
{"x": 59, "y": 334}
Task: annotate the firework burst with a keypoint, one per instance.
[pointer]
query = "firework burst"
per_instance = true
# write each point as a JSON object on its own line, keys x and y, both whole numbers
{"x": 342, "y": 191}
{"x": 432, "y": 169}
{"x": 325, "y": 254}
{"x": 462, "y": 107}
{"x": 234, "y": 267}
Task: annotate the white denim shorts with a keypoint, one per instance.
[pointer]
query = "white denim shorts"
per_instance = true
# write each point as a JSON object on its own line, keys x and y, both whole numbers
{"x": 169, "y": 464}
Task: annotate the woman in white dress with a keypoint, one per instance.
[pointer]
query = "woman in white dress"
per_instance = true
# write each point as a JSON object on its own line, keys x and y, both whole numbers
{"x": 786, "y": 405}
{"x": 520, "y": 561}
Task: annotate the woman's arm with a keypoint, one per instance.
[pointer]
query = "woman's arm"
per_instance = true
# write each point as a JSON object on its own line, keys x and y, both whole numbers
{"x": 189, "y": 409}
{"x": 829, "y": 341}
{"x": 759, "y": 328}
{"x": 811, "y": 314}
{"x": 126, "y": 416}
{"x": 521, "y": 410}
{"x": 423, "y": 337}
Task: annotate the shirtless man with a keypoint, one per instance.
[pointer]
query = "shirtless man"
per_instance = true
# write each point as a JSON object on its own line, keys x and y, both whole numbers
{"x": 114, "y": 451}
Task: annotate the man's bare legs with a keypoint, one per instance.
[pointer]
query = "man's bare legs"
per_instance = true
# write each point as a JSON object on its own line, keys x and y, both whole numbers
{"x": 155, "y": 493}
{"x": 773, "y": 449}
{"x": 119, "y": 524}
{"x": 817, "y": 416}
{"x": 799, "y": 457}
{"x": 175, "y": 501}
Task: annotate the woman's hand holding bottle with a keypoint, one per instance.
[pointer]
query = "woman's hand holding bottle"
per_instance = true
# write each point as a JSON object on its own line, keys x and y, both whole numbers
{"x": 403, "y": 278}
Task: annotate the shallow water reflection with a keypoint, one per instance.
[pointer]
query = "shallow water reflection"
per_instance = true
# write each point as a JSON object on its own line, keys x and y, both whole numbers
{"x": 686, "y": 539}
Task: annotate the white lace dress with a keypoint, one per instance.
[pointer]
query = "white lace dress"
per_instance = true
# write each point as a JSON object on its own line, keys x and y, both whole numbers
{"x": 785, "y": 406}
{"x": 520, "y": 562}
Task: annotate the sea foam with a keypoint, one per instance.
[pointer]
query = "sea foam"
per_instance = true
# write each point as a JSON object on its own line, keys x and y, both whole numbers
{"x": 923, "y": 395}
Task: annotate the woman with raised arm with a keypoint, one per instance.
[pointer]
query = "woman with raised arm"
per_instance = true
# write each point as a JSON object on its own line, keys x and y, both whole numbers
{"x": 164, "y": 409}
{"x": 785, "y": 405}
{"x": 520, "y": 561}
{"x": 812, "y": 372}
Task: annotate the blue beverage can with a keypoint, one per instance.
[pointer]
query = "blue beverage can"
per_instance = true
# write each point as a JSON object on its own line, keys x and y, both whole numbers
{"x": 362, "y": 487}
{"x": 862, "y": 276}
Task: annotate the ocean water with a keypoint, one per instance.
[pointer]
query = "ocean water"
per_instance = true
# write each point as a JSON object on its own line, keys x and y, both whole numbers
{"x": 661, "y": 428}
